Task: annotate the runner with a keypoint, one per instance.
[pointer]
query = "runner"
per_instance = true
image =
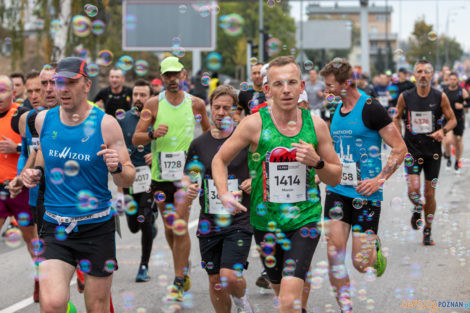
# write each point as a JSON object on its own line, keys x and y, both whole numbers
{"x": 171, "y": 115}
{"x": 248, "y": 99}
{"x": 17, "y": 207}
{"x": 459, "y": 100}
{"x": 422, "y": 108}
{"x": 381, "y": 89}
{"x": 224, "y": 242}
{"x": 287, "y": 147}
{"x": 116, "y": 98}
{"x": 81, "y": 146}
{"x": 316, "y": 93}
{"x": 141, "y": 217}
{"x": 19, "y": 85}
{"x": 358, "y": 127}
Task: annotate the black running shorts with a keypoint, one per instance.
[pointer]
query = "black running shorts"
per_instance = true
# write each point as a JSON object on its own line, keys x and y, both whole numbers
{"x": 288, "y": 258}
{"x": 430, "y": 165}
{"x": 227, "y": 250}
{"x": 93, "y": 246}
{"x": 362, "y": 216}
{"x": 167, "y": 188}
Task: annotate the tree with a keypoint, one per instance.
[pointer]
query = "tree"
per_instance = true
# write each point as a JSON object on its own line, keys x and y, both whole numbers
{"x": 277, "y": 23}
{"x": 424, "y": 42}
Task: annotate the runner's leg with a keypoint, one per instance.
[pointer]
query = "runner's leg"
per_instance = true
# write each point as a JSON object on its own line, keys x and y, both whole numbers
{"x": 364, "y": 252}
{"x": 54, "y": 278}
{"x": 97, "y": 293}
{"x": 430, "y": 203}
{"x": 290, "y": 293}
{"x": 220, "y": 297}
{"x": 458, "y": 147}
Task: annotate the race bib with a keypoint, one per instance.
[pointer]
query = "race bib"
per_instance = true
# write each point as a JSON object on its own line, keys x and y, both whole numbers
{"x": 34, "y": 144}
{"x": 142, "y": 179}
{"x": 421, "y": 122}
{"x": 349, "y": 174}
{"x": 172, "y": 165}
{"x": 383, "y": 101}
{"x": 213, "y": 203}
{"x": 287, "y": 182}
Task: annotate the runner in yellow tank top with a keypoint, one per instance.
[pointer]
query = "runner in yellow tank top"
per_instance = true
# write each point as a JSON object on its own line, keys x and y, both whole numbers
{"x": 167, "y": 121}
{"x": 285, "y": 193}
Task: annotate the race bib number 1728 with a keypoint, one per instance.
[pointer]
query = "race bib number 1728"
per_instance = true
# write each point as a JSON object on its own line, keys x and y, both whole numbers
{"x": 172, "y": 165}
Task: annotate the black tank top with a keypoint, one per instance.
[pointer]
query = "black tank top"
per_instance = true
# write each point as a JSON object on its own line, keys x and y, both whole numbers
{"x": 455, "y": 96}
{"x": 422, "y": 117}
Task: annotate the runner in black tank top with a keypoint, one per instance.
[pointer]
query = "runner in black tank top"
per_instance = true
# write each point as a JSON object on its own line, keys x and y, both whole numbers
{"x": 422, "y": 108}
{"x": 458, "y": 98}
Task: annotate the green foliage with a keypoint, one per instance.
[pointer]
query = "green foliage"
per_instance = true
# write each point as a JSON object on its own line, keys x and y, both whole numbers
{"x": 423, "y": 45}
{"x": 277, "y": 23}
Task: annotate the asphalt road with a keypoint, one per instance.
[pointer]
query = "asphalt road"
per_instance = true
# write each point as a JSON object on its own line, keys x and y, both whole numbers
{"x": 415, "y": 272}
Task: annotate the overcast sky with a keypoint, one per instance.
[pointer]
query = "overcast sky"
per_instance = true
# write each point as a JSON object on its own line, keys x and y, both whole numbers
{"x": 407, "y": 11}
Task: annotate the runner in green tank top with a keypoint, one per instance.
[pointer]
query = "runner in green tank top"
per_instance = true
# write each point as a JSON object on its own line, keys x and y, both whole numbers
{"x": 287, "y": 148}
{"x": 171, "y": 116}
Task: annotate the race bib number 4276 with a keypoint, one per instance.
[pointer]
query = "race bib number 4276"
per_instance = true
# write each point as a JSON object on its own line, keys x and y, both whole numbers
{"x": 421, "y": 122}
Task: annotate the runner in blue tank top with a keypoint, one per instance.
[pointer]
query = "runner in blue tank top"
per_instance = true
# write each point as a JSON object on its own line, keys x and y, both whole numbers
{"x": 79, "y": 145}
{"x": 358, "y": 126}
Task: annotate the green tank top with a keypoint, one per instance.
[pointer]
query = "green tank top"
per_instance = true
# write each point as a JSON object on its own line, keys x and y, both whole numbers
{"x": 283, "y": 194}
{"x": 169, "y": 151}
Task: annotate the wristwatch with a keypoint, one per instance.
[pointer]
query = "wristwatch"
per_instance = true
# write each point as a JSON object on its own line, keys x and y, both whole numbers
{"x": 444, "y": 130}
{"x": 150, "y": 133}
{"x": 118, "y": 169}
{"x": 320, "y": 164}
{"x": 18, "y": 148}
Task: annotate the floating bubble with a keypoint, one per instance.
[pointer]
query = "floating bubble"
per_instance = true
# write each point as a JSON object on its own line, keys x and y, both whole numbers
{"x": 232, "y": 24}
{"x": 91, "y": 10}
{"x": 434, "y": 183}
{"x": 81, "y": 25}
{"x": 24, "y": 219}
{"x": 273, "y": 46}
{"x": 120, "y": 114}
{"x": 55, "y": 26}
{"x": 261, "y": 209}
{"x": 125, "y": 63}
{"x": 292, "y": 125}
{"x": 182, "y": 8}
{"x": 56, "y": 176}
{"x": 253, "y": 61}
{"x": 146, "y": 114}
{"x": 293, "y": 51}
{"x": 393, "y": 91}
{"x": 179, "y": 227}
{"x": 408, "y": 160}
{"x": 420, "y": 161}
{"x": 308, "y": 65}
{"x": 374, "y": 151}
{"x": 357, "y": 203}
{"x": 435, "y": 156}
{"x": 369, "y": 101}
{"x": 140, "y": 148}
{"x": 205, "y": 80}
{"x": 13, "y": 237}
{"x": 159, "y": 196}
{"x": 223, "y": 220}
{"x": 255, "y": 157}
{"x": 60, "y": 233}
{"x": 130, "y": 22}
{"x": 432, "y": 36}
{"x": 92, "y": 70}
{"x": 7, "y": 41}
{"x": 141, "y": 67}
{"x": 105, "y": 57}
{"x": 110, "y": 266}
{"x": 204, "y": 227}
{"x": 214, "y": 61}
{"x": 270, "y": 261}
{"x": 270, "y": 4}
{"x": 266, "y": 135}
{"x": 37, "y": 246}
{"x": 244, "y": 86}
{"x": 71, "y": 168}
{"x": 336, "y": 213}
{"x": 39, "y": 24}
{"x": 97, "y": 27}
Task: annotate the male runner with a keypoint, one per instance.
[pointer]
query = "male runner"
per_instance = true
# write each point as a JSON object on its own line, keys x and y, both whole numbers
{"x": 422, "y": 108}
{"x": 171, "y": 115}
{"x": 287, "y": 146}
{"x": 20, "y": 90}
{"x": 315, "y": 90}
{"x": 459, "y": 100}
{"x": 252, "y": 97}
{"x": 79, "y": 145}
{"x": 116, "y": 96}
{"x": 358, "y": 127}
{"x": 224, "y": 246}
{"x": 142, "y": 218}
{"x": 17, "y": 207}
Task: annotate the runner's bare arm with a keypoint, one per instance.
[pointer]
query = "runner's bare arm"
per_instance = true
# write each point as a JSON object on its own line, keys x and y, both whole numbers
{"x": 399, "y": 114}
{"x": 247, "y": 133}
{"x": 192, "y": 192}
{"x": 392, "y": 137}
{"x": 466, "y": 101}
{"x": 199, "y": 107}
{"x": 141, "y": 136}
{"x": 22, "y": 124}
{"x": 448, "y": 113}
{"x": 330, "y": 174}
{"x": 114, "y": 150}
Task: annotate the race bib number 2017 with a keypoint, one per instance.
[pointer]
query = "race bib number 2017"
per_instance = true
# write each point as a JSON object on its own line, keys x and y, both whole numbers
{"x": 172, "y": 165}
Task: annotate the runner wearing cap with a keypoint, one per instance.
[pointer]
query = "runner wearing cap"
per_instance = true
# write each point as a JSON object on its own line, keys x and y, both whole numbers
{"x": 79, "y": 146}
{"x": 139, "y": 215}
{"x": 156, "y": 86}
{"x": 287, "y": 146}
{"x": 172, "y": 116}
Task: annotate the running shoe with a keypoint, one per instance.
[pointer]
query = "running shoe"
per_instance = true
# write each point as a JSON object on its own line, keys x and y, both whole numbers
{"x": 381, "y": 262}
{"x": 187, "y": 283}
{"x": 457, "y": 167}
{"x": 143, "y": 274}
{"x": 242, "y": 305}
{"x": 415, "y": 217}
{"x": 449, "y": 163}
{"x": 36, "y": 291}
{"x": 10, "y": 226}
{"x": 427, "y": 240}
{"x": 176, "y": 293}
{"x": 263, "y": 281}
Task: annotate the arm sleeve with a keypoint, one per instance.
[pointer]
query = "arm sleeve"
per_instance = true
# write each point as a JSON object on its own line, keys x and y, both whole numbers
{"x": 99, "y": 96}
{"x": 23, "y": 156}
{"x": 375, "y": 116}
{"x": 15, "y": 120}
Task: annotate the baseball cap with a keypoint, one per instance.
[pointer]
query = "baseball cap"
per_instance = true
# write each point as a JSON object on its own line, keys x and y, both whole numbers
{"x": 403, "y": 70}
{"x": 71, "y": 67}
{"x": 156, "y": 82}
{"x": 171, "y": 64}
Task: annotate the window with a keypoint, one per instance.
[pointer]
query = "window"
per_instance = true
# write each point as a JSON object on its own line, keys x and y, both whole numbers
{"x": 374, "y": 30}
{"x": 380, "y": 17}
